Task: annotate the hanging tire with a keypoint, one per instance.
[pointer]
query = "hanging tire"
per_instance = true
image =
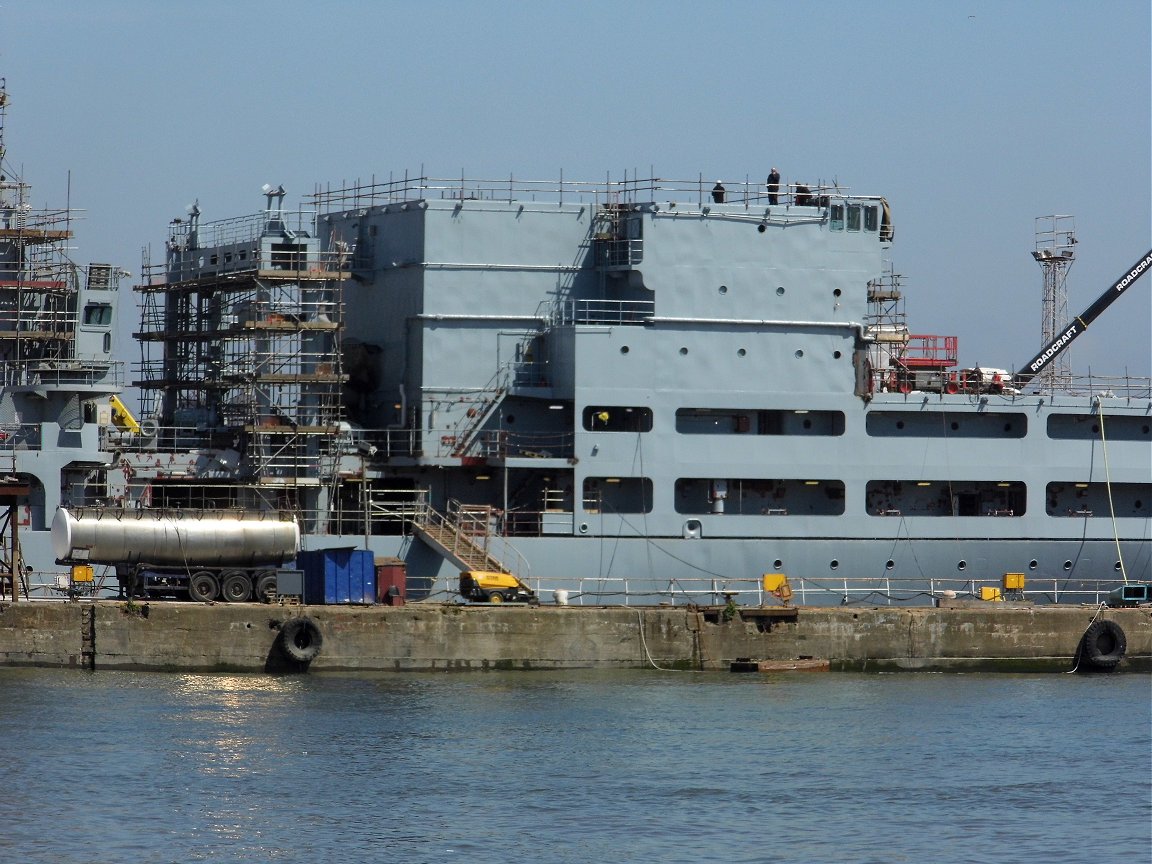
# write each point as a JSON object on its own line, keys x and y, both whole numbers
{"x": 236, "y": 587}
{"x": 300, "y": 639}
{"x": 1103, "y": 645}
{"x": 203, "y": 586}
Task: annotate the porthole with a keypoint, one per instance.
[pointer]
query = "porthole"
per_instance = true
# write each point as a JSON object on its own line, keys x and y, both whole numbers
{"x": 780, "y": 291}
{"x": 583, "y": 527}
{"x": 740, "y": 352}
{"x": 836, "y": 292}
{"x": 836, "y": 355}
{"x": 799, "y": 353}
{"x": 1067, "y": 565}
{"x": 807, "y": 423}
{"x": 899, "y": 424}
{"x": 1033, "y": 564}
{"x": 683, "y": 351}
{"x": 962, "y": 565}
{"x": 1007, "y": 427}
{"x": 955, "y": 426}
{"x": 1095, "y": 429}
{"x": 761, "y": 227}
{"x": 723, "y": 289}
{"x": 890, "y": 565}
{"x": 834, "y": 565}
{"x": 777, "y": 564}
{"x": 623, "y": 349}
{"x": 511, "y": 418}
{"x": 1117, "y": 566}
{"x": 1144, "y": 428}
{"x": 1138, "y": 504}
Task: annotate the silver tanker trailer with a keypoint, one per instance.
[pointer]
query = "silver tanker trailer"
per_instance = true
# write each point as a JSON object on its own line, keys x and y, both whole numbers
{"x": 200, "y": 554}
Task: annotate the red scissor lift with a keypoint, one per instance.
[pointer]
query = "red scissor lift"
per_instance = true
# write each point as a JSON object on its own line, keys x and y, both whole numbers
{"x": 924, "y": 363}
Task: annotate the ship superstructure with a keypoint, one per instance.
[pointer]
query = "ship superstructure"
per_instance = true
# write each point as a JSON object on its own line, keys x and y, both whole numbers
{"x": 638, "y": 389}
{"x": 59, "y": 377}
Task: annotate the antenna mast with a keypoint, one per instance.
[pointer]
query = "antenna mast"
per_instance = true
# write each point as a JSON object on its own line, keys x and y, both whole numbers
{"x": 1055, "y": 250}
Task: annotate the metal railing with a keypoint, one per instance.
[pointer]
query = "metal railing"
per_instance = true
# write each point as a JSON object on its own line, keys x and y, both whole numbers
{"x": 503, "y": 444}
{"x": 19, "y": 436}
{"x": 1087, "y": 387}
{"x": 711, "y": 591}
{"x": 47, "y": 372}
{"x": 603, "y": 312}
{"x": 241, "y": 229}
{"x": 630, "y": 189}
{"x": 470, "y": 529}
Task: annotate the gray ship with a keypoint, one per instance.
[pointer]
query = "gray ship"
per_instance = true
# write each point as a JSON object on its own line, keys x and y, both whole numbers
{"x": 60, "y": 380}
{"x": 635, "y": 391}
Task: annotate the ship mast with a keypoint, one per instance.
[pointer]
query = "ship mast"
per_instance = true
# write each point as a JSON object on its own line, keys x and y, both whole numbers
{"x": 1055, "y": 251}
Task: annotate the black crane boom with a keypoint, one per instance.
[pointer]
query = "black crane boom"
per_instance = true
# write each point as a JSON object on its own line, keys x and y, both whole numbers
{"x": 1080, "y": 323}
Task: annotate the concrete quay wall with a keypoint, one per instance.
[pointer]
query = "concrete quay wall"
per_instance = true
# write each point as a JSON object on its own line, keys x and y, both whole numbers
{"x": 171, "y": 636}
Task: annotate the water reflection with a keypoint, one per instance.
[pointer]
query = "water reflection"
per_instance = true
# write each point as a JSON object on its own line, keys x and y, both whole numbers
{"x": 621, "y": 767}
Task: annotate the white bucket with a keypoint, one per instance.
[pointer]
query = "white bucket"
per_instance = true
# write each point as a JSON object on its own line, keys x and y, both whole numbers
{"x": 560, "y": 595}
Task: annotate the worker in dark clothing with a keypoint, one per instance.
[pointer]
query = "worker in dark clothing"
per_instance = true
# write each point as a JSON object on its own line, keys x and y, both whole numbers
{"x": 718, "y": 193}
{"x": 774, "y": 187}
{"x": 803, "y": 196}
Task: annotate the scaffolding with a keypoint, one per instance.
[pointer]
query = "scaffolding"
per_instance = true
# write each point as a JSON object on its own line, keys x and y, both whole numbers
{"x": 38, "y": 283}
{"x": 887, "y": 325}
{"x": 240, "y": 337}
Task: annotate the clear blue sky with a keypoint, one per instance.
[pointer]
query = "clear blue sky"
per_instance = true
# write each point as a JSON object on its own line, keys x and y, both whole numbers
{"x": 973, "y": 117}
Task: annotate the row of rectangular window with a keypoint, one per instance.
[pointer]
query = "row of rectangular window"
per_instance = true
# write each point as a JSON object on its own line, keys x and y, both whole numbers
{"x": 878, "y": 424}
{"x": 821, "y": 497}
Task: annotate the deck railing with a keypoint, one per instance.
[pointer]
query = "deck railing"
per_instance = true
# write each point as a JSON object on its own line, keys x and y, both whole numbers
{"x": 630, "y": 188}
{"x": 638, "y": 591}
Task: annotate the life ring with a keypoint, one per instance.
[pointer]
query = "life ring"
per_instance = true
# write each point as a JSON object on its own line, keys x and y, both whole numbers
{"x": 300, "y": 639}
{"x": 1103, "y": 644}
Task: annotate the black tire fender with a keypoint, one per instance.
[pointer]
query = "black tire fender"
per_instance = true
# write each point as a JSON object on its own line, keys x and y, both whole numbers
{"x": 301, "y": 639}
{"x": 1103, "y": 644}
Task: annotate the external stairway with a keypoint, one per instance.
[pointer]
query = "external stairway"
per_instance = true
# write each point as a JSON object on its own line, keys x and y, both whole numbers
{"x": 465, "y": 537}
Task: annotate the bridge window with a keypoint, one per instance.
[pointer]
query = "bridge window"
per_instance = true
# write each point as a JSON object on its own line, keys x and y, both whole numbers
{"x": 836, "y": 217}
{"x": 871, "y": 217}
{"x": 853, "y": 217}
{"x": 98, "y": 314}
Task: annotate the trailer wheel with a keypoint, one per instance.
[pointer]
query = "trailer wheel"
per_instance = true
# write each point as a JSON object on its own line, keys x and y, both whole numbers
{"x": 203, "y": 587}
{"x": 495, "y": 597}
{"x": 236, "y": 587}
{"x": 300, "y": 639}
{"x": 265, "y": 586}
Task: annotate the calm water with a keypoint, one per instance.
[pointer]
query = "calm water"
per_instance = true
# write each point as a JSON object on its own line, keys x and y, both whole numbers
{"x": 575, "y": 767}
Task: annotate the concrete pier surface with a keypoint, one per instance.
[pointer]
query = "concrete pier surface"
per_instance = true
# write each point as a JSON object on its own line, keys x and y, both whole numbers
{"x": 250, "y": 637}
